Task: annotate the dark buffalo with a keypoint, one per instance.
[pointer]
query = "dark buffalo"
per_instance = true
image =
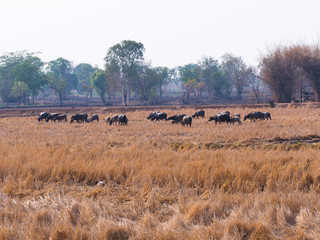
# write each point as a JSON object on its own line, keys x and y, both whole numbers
{"x": 176, "y": 118}
{"x": 60, "y": 117}
{"x": 152, "y": 115}
{"x": 51, "y": 116}
{"x": 93, "y": 117}
{"x": 235, "y": 119}
{"x": 267, "y": 115}
{"x": 225, "y": 113}
{"x": 253, "y": 116}
{"x": 43, "y": 116}
{"x": 113, "y": 119}
{"x": 186, "y": 120}
{"x": 221, "y": 117}
{"x": 80, "y": 117}
{"x": 123, "y": 120}
{"x": 159, "y": 116}
{"x": 198, "y": 114}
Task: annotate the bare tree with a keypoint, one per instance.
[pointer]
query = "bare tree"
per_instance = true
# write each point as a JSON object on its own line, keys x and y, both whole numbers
{"x": 236, "y": 71}
{"x": 254, "y": 83}
{"x": 310, "y": 65}
{"x": 279, "y": 70}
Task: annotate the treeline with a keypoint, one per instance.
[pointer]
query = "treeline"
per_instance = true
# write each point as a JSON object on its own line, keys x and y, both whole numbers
{"x": 285, "y": 70}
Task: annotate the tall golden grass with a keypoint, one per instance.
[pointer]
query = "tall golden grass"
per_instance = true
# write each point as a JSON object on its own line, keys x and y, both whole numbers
{"x": 258, "y": 180}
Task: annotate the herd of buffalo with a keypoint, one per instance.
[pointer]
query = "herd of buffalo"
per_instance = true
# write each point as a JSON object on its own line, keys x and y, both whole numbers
{"x": 185, "y": 120}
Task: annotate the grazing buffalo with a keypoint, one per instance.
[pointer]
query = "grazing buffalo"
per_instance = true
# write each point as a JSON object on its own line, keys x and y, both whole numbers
{"x": 221, "y": 117}
{"x": 152, "y": 115}
{"x": 198, "y": 114}
{"x": 60, "y": 117}
{"x": 81, "y": 117}
{"x": 123, "y": 120}
{"x": 176, "y": 118}
{"x": 253, "y": 116}
{"x": 114, "y": 119}
{"x": 267, "y": 115}
{"x": 51, "y": 116}
{"x": 107, "y": 120}
{"x": 43, "y": 116}
{"x": 93, "y": 117}
{"x": 235, "y": 119}
{"x": 186, "y": 120}
{"x": 157, "y": 116}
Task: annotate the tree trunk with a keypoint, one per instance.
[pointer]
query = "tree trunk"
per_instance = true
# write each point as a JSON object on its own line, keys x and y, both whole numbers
{"x": 103, "y": 99}
{"x": 60, "y": 97}
{"x": 239, "y": 93}
{"x": 125, "y": 96}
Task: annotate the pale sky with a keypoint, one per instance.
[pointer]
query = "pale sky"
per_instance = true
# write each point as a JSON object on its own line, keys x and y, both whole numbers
{"x": 174, "y": 33}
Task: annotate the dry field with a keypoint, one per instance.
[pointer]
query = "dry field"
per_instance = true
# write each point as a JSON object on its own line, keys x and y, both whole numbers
{"x": 258, "y": 180}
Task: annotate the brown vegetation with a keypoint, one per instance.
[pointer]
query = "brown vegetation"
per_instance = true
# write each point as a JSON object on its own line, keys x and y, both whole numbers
{"x": 258, "y": 180}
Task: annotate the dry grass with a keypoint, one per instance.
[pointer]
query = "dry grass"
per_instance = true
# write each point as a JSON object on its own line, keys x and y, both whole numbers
{"x": 258, "y": 180}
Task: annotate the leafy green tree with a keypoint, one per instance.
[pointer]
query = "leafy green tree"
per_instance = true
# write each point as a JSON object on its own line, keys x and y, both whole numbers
{"x": 190, "y": 76}
{"x": 20, "y": 90}
{"x": 124, "y": 59}
{"x": 84, "y": 72}
{"x": 189, "y": 72}
{"x": 61, "y": 77}
{"x": 57, "y": 83}
{"x": 145, "y": 82}
{"x": 99, "y": 82}
{"x": 5, "y": 89}
{"x": 8, "y": 62}
{"x": 30, "y": 72}
{"x": 214, "y": 79}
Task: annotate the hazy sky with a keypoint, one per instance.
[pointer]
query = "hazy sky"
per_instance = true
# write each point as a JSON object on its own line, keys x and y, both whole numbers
{"x": 174, "y": 33}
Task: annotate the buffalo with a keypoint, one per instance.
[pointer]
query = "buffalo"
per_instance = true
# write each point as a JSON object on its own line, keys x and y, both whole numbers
{"x": 123, "y": 120}
{"x": 60, "y": 117}
{"x": 221, "y": 117}
{"x": 176, "y": 118}
{"x": 92, "y": 118}
{"x": 152, "y": 115}
{"x": 80, "y": 117}
{"x": 267, "y": 115}
{"x": 253, "y": 116}
{"x": 198, "y": 114}
{"x": 51, "y": 116}
{"x": 235, "y": 119}
{"x": 186, "y": 120}
{"x": 157, "y": 116}
{"x": 113, "y": 119}
{"x": 43, "y": 116}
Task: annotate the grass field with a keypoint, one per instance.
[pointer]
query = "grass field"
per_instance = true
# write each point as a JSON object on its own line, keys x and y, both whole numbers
{"x": 258, "y": 180}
